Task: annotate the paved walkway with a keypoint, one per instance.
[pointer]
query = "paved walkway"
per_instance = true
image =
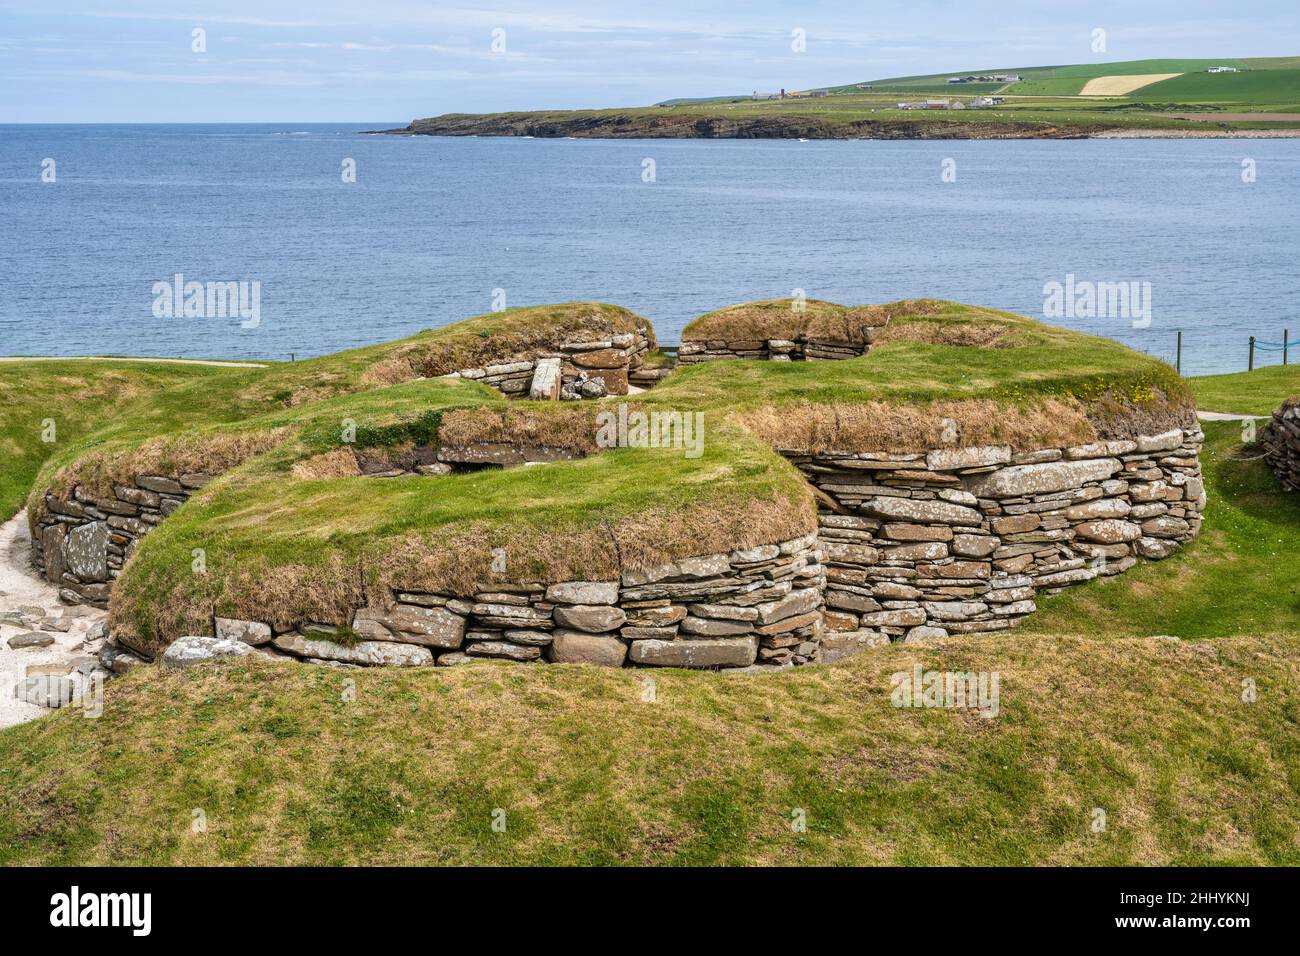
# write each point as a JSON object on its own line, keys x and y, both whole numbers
{"x": 1225, "y": 416}
{"x": 115, "y": 358}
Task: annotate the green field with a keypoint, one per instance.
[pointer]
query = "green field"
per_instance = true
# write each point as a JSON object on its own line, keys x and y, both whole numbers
{"x": 1049, "y": 86}
{"x": 1045, "y": 102}
{"x": 1247, "y": 393}
{"x": 76, "y": 396}
{"x": 1273, "y": 87}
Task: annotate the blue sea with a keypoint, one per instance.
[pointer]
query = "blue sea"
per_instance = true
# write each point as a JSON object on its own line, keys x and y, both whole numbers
{"x": 437, "y": 229}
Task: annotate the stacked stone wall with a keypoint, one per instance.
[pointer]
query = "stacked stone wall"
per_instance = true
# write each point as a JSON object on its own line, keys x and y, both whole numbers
{"x": 1281, "y": 440}
{"x": 959, "y": 541}
{"x": 590, "y": 369}
{"x": 758, "y": 605}
{"x": 776, "y": 350}
{"x": 81, "y": 542}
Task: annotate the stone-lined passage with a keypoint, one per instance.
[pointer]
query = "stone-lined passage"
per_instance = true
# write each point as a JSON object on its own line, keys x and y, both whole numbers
{"x": 81, "y": 543}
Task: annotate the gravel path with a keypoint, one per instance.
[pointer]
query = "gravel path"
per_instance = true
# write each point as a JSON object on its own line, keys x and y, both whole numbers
{"x": 1225, "y": 416}
{"x": 114, "y": 358}
{"x": 20, "y": 588}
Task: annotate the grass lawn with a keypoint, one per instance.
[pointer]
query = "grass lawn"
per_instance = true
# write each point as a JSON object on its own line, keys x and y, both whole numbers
{"x": 1247, "y": 393}
{"x": 1237, "y": 577}
{"x": 309, "y": 765}
{"x": 78, "y": 396}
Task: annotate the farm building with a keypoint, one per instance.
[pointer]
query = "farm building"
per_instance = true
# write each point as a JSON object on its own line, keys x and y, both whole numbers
{"x": 987, "y": 78}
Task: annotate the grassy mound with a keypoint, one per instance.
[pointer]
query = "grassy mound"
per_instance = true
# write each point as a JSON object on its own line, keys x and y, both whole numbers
{"x": 307, "y": 765}
{"x": 282, "y": 549}
{"x": 291, "y": 533}
{"x": 811, "y": 319}
{"x": 77, "y": 396}
{"x": 1003, "y": 378}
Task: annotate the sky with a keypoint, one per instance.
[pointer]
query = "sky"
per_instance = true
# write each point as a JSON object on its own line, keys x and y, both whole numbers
{"x": 122, "y": 61}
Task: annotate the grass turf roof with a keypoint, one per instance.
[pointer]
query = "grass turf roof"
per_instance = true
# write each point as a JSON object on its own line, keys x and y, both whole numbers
{"x": 79, "y": 396}
{"x": 793, "y": 321}
{"x": 282, "y": 548}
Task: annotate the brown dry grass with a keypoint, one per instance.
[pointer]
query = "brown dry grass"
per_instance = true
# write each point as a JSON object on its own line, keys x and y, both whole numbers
{"x": 339, "y": 463}
{"x": 170, "y": 455}
{"x": 1114, "y": 417}
{"x": 393, "y": 371}
{"x": 884, "y": 426}
{"x": 283, "y": 596}
{"x": 818, "y": 321}
{"x": 974, "y": 335}
{"x": 778, "y": 319}
{"x": 562, "y": 426}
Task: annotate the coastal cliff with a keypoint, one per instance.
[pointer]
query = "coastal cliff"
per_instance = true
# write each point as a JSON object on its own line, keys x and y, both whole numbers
{"x": 666, "y": 124}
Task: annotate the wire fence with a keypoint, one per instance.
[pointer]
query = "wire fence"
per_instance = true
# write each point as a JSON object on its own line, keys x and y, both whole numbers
{"x": 1173, "y": 352}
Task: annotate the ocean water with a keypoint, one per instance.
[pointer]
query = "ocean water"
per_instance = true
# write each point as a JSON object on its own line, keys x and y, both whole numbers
{"x": 434, "y": 230}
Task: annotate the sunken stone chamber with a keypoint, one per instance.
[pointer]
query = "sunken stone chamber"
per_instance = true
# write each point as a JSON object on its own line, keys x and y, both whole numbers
{"x": 81, "y": 543}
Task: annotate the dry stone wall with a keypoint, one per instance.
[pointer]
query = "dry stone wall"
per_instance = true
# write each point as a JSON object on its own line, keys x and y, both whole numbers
{"x": 577, "y": 370}
{"x": 776, "y": 350}
{"x": 909, "y": 546}
{"x": 1281, "y": 440}
{"x": 81, "y": 543}
{"x": 758, "y": 605}
{"x": 959, "y": 541}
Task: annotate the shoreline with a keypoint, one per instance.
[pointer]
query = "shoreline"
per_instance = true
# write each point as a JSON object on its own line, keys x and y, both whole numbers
{"x": 706, "y": 128}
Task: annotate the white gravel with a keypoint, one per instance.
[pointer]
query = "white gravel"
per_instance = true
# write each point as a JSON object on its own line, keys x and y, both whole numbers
{"x": 115, "y": 358}
{"x": 19, "y": 586}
